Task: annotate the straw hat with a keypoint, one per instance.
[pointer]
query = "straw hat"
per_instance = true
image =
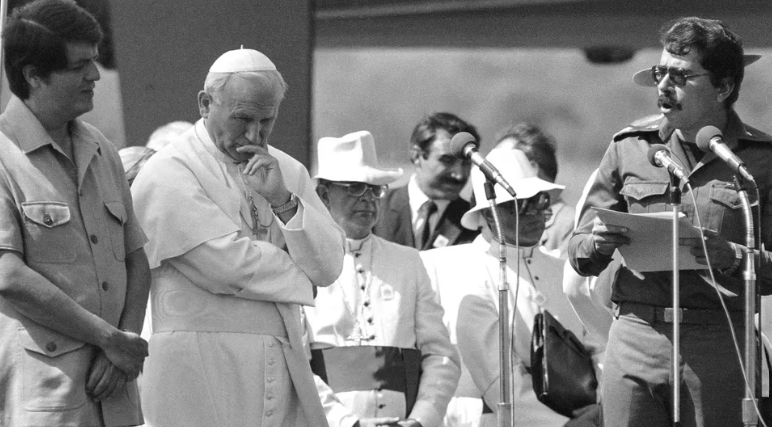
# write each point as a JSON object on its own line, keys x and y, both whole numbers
{"x": 518, "y": 172}
{"x": 352, "y": 158}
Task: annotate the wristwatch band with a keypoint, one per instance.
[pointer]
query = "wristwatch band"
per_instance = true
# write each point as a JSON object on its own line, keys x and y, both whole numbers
{"x": 738, "y": 259}
{"x": 291, "y": 204}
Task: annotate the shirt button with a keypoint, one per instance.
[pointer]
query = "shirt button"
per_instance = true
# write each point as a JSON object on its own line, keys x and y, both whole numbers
{"x": 366, "y": 304}
{"x": 370, "y": 320}
{"x": 51, "y": 346}
{"x": 269, "y": 413}
{"x": 47, "y": 219}
{"x": 270, "y": 344}
{"x": 104, "y": 286}
{"x": 94, "y": 239}
{"x": 381, "y": 406}
{"x": 270, "y": 380}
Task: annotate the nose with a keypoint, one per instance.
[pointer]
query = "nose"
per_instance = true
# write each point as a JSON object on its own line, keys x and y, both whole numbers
{"x": 92, "y": 72}
{"x": 253, "y": 133}
{"x": 665, "y": 84}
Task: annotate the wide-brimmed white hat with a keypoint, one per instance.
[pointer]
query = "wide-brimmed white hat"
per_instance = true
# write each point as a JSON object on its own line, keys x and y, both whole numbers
{"x": 352, "y": 158}
{"x": 517, "y": 170}
{"x": 644, "y": 77}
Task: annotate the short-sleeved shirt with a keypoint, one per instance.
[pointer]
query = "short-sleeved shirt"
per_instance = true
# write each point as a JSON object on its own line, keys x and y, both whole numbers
{"x": 72, "y": 223}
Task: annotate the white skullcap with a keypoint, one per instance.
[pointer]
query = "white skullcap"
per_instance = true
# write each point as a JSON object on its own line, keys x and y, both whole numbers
{"x": 238, "y": 60}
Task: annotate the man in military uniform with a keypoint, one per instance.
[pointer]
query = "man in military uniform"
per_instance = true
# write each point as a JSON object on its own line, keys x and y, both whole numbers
{"x": 698, "y": 80}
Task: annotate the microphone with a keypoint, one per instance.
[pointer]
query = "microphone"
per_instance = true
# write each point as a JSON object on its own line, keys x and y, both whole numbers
{"x": 464, "y": 146}
{"x": 659, "y": 156}
{"x": 710, "y": 138}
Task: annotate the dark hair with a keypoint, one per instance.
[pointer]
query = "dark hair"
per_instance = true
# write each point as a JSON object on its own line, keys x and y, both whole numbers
{"x": 425, "y": 131}
{"x": 37, "y": 33}
{"x": 538, "y": 146}
{"x": 720, "y": 50}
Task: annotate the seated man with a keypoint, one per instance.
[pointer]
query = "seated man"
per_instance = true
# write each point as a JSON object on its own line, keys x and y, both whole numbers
{"x": 466, "y": 278}
{"x": 380, "y": 351}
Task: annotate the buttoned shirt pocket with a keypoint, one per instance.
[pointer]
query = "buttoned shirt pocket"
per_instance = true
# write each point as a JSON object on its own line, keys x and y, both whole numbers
{"x": 645, "y": 196}
{"x": 726, "y": 208}
{"x": 50, "y": 233}
{"x": 115, "y": 228}
{"x": 53, "y": 371}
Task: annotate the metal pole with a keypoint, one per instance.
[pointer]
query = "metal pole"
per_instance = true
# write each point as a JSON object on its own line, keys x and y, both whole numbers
{"x": 3, "y": 14}
{"x": 505, "y": 408}
{"x": 750, "y": 418}
{"x": 675, "y": 202}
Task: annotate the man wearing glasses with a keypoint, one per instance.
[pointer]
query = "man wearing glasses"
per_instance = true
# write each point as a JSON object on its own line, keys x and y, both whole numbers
{"x": 466, "y": 278}
{"x": 698, "y": 80}
{"x": 380, "y": 351}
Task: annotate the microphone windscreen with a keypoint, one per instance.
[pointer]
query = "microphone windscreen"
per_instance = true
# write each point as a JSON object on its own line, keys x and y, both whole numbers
{"x": 653, "y": 150}
{"x": 459, "y": 141}
{"x": 705, "y": 135}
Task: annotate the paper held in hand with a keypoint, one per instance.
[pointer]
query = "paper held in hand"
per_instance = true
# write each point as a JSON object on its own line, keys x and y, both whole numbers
{"x": 651, "y": 236}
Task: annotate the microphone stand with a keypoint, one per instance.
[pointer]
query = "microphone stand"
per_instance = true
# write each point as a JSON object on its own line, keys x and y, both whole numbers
{"x": 506, "y": 414}
{"x": 750, "y": 417}
{"x": 675, "y": 202}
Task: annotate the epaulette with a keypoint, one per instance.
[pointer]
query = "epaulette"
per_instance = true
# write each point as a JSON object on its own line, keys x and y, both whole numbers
{"x": 647, "y": 124}
{"x": 753, "y": 134}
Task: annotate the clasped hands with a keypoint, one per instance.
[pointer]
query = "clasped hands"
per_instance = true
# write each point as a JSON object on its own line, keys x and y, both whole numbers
{"x": 606, "y": 238}
{"x": 117, "y": 362}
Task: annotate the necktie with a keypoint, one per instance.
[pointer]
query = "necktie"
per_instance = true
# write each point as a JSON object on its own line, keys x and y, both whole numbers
{"x": 424, "y": 227}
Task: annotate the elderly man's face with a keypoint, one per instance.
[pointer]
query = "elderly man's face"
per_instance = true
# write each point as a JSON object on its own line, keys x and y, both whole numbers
{"x": 356, "y": 215}
{"x": 440, "y": 174}
{"x": 693, "y": 105}
{"x": 533, "y": 217}
{"x": 242, "y": 113}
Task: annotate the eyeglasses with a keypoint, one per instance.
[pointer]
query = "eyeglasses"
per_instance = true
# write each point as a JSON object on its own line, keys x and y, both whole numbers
{"x": 357, "y": 189}
{"x": 539, "y": 203}
{"x": 678, "y": 76}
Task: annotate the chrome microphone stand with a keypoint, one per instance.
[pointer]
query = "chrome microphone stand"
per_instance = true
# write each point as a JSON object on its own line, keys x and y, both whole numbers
{"x": 675, "y": 203}
{"x": 506, "y": 413}
{"x": 750, "y": 417}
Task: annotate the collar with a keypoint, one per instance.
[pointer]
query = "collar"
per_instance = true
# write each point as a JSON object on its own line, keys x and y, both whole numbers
{"x": 31, "y": 135}
{"x": 735, "y": 131}
{"x": 356, "y": 245}
{"x": 416, "y": 198}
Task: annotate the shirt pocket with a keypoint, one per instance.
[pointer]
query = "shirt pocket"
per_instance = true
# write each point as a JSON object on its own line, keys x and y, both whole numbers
{"x": 53, "y": 371}
{"x": 115, "y": 228}
{"x": 50, "y": 234}
{"x": 724, "y": 213}
{"x": 645, "y": 196}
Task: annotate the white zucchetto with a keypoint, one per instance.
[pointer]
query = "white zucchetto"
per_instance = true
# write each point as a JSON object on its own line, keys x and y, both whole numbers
{"x": 239, "y": 60}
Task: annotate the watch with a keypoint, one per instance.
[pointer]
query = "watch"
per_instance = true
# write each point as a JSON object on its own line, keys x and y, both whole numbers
{"x": 291, "y": 204}
{"x": 738, "y": 258}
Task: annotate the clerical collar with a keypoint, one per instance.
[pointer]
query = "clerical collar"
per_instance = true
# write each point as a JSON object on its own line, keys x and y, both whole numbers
{"x": 355, "y": 245}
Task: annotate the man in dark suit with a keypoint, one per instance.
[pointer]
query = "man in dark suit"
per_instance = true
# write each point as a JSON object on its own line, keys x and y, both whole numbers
{"x": 426, "y": 213}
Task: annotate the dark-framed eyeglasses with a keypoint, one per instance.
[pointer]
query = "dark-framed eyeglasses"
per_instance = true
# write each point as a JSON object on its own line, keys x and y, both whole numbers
{"x": 357, "y": 189}
{"x": 678, "y": 76}
{"x": 539, "y": 203}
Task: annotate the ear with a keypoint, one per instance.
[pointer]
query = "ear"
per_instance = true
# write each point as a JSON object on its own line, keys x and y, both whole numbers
{"x": 725, "y": 88}
{"x": 415, "y": 154}
{"x": 204, "y": 103}
{"x": 324, "y": 194}
{"x": 32, "y": 76}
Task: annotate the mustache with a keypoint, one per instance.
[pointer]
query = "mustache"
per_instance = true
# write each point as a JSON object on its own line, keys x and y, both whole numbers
{"x": 666, "y": 100}
{"x": 452, "y": 181}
